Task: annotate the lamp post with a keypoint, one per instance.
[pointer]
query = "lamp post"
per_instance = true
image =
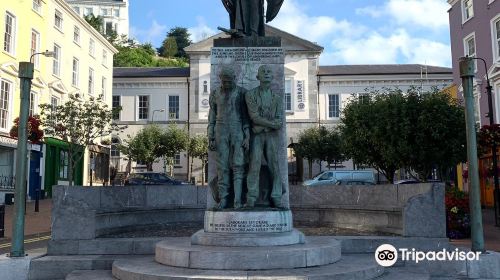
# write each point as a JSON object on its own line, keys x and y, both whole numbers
{"x": 153, "y": 116}
{"x": 467, "y": 75}
{"x": 25, "y": 75}
{"x": 496, "y": 192}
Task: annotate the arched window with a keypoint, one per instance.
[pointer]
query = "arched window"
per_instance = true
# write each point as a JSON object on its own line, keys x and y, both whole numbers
{"x": 114, "y": 147}
{"x": 205, "y": 87}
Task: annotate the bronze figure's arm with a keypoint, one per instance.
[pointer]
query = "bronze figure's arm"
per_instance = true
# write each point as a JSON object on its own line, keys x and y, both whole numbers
{"x": 253, "y": 111}
{"x": 212, "y": 117}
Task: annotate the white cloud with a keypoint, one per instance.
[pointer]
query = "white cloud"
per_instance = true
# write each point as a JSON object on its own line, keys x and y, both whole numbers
{"x": 154, "y": 33}
{"x": 201, "y": 31}
{"x": 422, "y": 13}
{"x": 391, "y": 42}
{"x": 294, "y": 20}
{"x": 398, "y": 47}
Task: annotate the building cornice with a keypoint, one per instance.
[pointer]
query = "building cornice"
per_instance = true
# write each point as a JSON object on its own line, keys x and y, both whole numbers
{"x": 452, "y": 2}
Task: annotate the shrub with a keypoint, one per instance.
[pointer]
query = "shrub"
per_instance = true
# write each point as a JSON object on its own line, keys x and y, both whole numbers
{"x": 457, "y": 213}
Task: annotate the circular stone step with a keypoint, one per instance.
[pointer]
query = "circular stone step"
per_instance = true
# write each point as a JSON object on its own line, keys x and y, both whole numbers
{"x": 360, "y": 267}
{"x": 180, "y": 253}
{"x": 247, "y": 239}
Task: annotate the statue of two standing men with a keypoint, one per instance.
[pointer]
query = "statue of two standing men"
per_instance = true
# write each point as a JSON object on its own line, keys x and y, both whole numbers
{"x": 247, "y": 16}
{"x": 240, "y": 121}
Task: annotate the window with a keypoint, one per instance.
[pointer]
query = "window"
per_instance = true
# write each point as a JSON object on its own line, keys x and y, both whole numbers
{"x": 76, "y": 66}
{"x": 109, "y": 28}
{"x": 364, "y": 97}
{"x": 33, "y": 103}
{"x": 288, "y": 95}
{"x": 92, "y": 47}
{"x": 117, "y": 12}
{"x": 333, "y": 106}
{"x": 63, "y": 164}
{"x": 143, "y": 108}
{"x": 104, "y": 12}
{"x": 173, "y": 107}
{"x": 496, "y": 38}
{"x": 115, "y": 152}
{"x": 5, "y": 90}
{"x": 56, "y": 62}
{"x": 35, "y": 47}
{"x": 91, "y": 81}
{"x": 467, "y": 10}
{"x": 116, "y": 104}
{"x": 58, "y": 20}
{"x": 104, "y": 57}
{"x": 77, "y": 10}
{"x": 89, "y": 11}
{"x": 10, "y": 33}
{"x": 470, "y": 48}
{"x": 54, "y": 102}
{"x": 103, "y": 88}
{"x": 76, "y": 35}
{"x": 177, "y": 159}
{"x": 37, "y": 6}
{"x": 205, "y": 87}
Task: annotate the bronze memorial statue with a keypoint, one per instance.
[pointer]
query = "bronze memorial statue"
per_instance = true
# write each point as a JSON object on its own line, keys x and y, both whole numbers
{"x": 247, "y": 16}
{"x": 265, "y": 109}
{"x": 229, "y": 136}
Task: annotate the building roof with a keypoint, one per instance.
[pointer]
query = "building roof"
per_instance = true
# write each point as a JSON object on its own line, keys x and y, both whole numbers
{"x": 150, "y": 72}
{"x": 382, "y": 69}
{"x": 290, "y": 42}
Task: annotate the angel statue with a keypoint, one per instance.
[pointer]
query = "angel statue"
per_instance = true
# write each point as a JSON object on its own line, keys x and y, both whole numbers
{"x": 247, "y": 16}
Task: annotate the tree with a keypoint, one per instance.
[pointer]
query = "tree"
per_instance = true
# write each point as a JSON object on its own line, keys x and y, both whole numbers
{"x": 437, "y": 136}
{"x": 35, "y": 134}
{"x": 330, "y": 149}
{"x": 308, "y": 146}
{"x": 390, "y": 130}
{"x": 169, "y": 47}
{"x": 198, "y": 148}
{"x": 95, "y": 21}
{"x": 153, "y": 142}
{"x": 181, "y": 36}
{"x": 145, "y": 146}
{"x": 98, "y": 23}
{"x": 133, "y": 57}
{"x": 173, "y": 141}
{"x": 78, "y": 122}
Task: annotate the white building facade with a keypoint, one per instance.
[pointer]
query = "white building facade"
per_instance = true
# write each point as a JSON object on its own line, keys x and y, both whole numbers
{"x": 314, "y": 94}
{"x": 114, "y": 13}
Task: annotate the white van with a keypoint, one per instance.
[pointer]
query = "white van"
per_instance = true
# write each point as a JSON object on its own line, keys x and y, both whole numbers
{"x": 330, "y": 177}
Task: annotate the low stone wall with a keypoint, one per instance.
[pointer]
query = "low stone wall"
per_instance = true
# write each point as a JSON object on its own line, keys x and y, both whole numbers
{"x": 84, "y": 213}
{"x": 414, "y": 210}
{"x": 81, "y": 213}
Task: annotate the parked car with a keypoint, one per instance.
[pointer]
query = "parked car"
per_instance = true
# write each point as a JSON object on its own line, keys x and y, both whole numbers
{"x": 353, "y": 182}
{"x": 330, "y": 177}
{"x": 151, "y": 178}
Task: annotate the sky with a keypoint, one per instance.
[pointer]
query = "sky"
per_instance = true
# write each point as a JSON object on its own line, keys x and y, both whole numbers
{"x": 351, "y": 31}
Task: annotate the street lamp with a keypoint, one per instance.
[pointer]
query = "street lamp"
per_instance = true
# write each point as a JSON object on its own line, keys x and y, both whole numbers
{"x": 25, "y": 75}
{"x": 153, "y": 116}
{"x": 496, "y": 193}
{"x": 467, "y": 74}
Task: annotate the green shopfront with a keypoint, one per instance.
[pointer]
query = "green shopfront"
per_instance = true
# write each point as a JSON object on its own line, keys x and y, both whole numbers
{"x": 57, "y": 165}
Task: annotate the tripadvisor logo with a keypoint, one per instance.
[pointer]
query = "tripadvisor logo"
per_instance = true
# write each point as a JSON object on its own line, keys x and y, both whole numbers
{"x": 386, "y": 255}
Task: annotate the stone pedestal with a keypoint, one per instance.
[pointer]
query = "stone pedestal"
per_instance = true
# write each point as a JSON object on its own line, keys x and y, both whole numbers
{"x": 248, "y": 222}
{"x": 235, "y": 242}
